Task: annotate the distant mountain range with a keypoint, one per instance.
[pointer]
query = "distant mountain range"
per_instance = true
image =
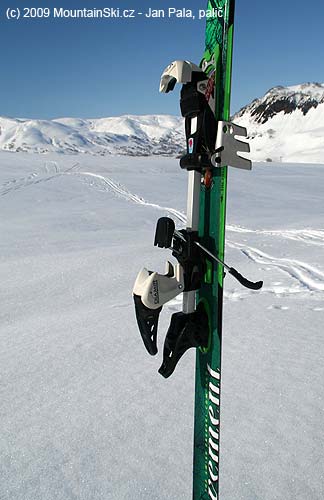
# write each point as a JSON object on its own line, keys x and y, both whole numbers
{"x": 286, "y": 124}
{"x": 126, "y": 135}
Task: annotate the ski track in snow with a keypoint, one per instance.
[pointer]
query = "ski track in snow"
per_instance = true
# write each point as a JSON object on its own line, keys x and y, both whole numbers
{"x": 120, "y": 190}
{"x": 309, "y": 236}
{"x": 97, "y": 181}
{"x": 306, "y": 278}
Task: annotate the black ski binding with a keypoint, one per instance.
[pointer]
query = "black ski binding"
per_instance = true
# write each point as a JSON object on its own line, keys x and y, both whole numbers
{"x": 185, "y": 331}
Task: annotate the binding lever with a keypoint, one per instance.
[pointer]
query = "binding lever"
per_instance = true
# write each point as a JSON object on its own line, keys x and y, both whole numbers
{"x": 185, "y": 331}
{"x": 241, "y": 279}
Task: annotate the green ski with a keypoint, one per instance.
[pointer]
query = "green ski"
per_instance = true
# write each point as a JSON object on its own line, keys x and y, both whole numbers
{"x": 212, "y": 144}
{"x": 217, "y": 63}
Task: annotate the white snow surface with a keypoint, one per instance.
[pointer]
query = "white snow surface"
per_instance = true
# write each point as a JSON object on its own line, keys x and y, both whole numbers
{"x": 84, "y": 413}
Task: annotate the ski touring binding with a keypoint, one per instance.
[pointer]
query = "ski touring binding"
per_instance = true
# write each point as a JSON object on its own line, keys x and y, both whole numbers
{"x": 210, "y": 145}
{"x": 152, "y": 291}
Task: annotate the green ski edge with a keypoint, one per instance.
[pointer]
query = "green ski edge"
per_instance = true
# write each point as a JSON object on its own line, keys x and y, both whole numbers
{"x": 217, "y": 63}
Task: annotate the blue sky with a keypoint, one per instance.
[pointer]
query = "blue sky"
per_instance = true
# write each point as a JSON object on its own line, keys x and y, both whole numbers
{"x": 92, "y": 68}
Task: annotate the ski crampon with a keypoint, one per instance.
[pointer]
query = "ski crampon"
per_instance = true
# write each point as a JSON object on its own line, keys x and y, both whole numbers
{"x": 213, "y": 144}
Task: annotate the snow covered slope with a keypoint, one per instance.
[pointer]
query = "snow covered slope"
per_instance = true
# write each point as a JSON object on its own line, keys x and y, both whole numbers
{"x": 286, "y": 124}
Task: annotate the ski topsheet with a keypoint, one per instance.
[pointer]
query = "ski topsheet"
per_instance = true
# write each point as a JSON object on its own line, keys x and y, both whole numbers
{"x": 216, "y": 63}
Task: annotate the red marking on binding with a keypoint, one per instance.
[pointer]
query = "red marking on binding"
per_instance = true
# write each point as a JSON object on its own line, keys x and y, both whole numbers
{"x": 208, "y": 178}
{"x": 210, "y": 87}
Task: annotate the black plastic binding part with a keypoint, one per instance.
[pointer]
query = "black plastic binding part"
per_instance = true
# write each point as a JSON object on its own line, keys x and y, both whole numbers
{"x": 185, "y": 331}
{"x": 147, "y": 320}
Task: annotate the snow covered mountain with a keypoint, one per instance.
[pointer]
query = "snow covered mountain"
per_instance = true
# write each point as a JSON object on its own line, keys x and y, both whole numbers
{"x": 127, "y": 135}
{"x": 286, "y": 124}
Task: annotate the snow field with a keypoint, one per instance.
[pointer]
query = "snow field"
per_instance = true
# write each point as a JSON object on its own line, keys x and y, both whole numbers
{"x": 84, "y": 414}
